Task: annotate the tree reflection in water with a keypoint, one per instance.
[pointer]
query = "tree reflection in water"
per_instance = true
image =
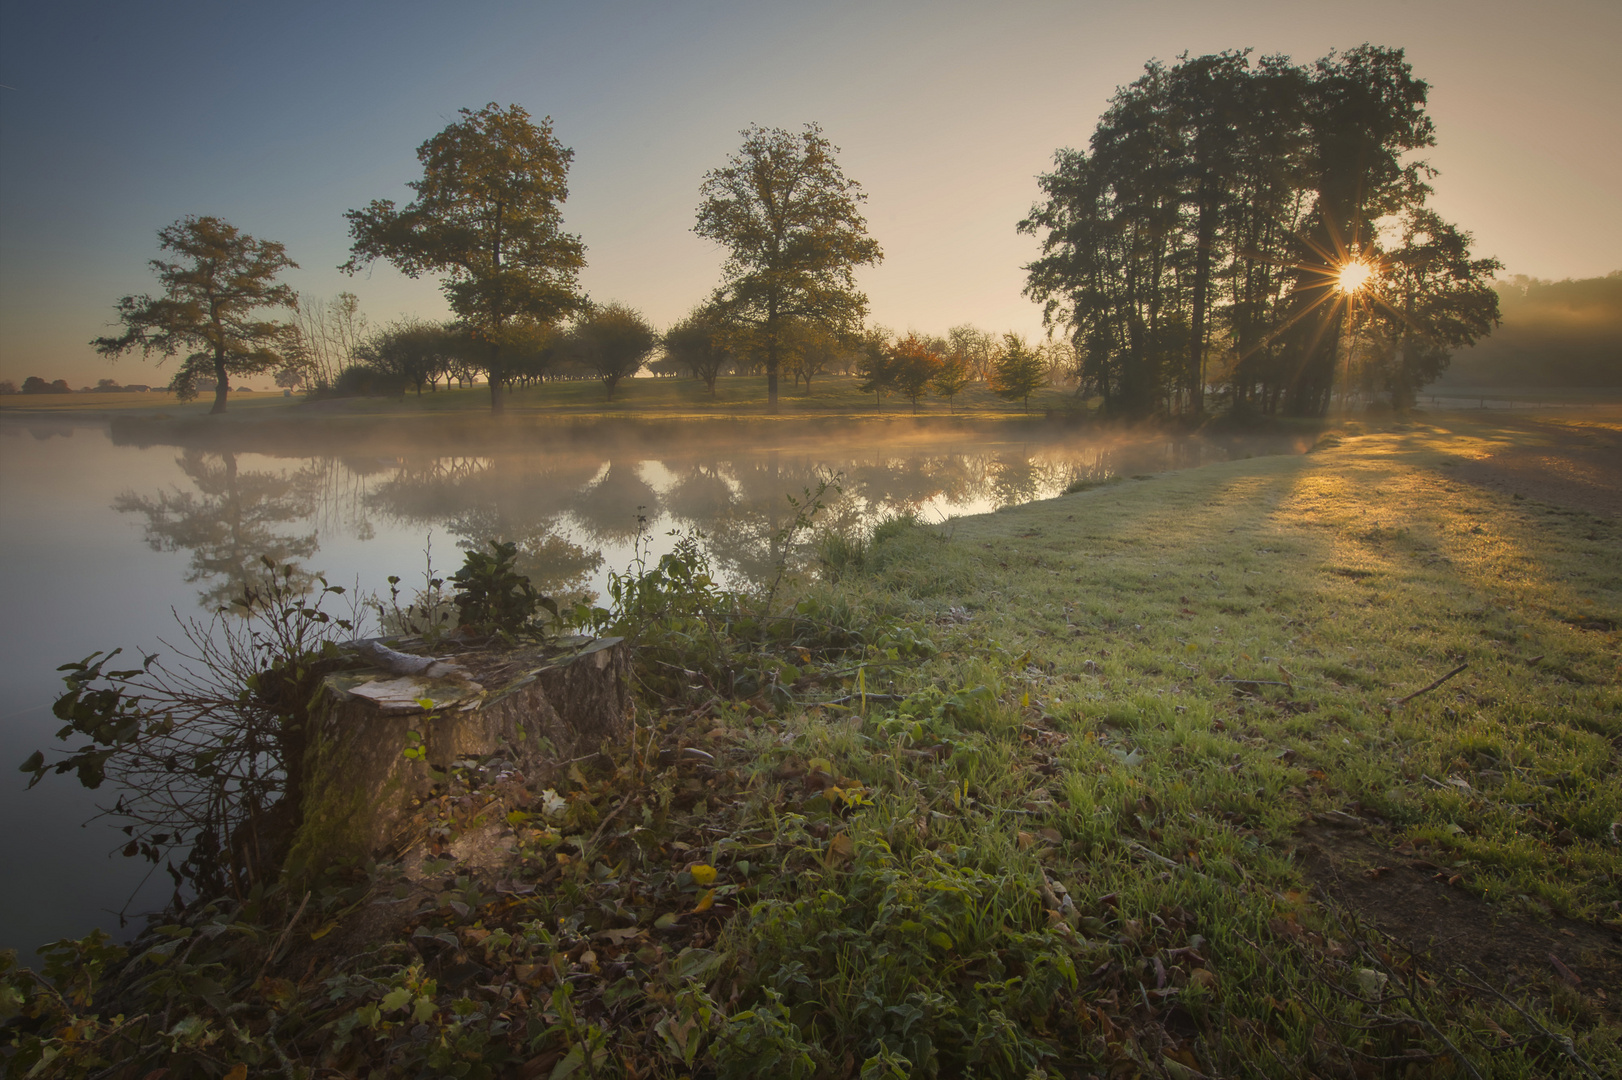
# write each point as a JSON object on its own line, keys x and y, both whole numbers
{"x": 511, "y": 498}
{"x": 565, "y": 498}
{"x": 230, "y": 521}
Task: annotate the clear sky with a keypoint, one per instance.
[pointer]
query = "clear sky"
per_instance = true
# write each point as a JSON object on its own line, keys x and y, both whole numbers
{"x": 119, "y": 118}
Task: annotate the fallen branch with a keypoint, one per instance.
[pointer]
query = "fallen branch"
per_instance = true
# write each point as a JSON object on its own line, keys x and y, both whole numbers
{"x": 400, "y": 663}
{"x": 1400, "y": 702}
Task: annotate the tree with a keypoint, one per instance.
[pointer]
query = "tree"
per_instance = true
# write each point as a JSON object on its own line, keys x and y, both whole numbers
{"x": 7, "y": 386}
{"x": 913, "y": 366}
{"x": 212, "y": 288}
{"x": 531, "y": 350}
{"x": 1434, "y": 299}
{"x": 873, "y": 365}
{"x": 416, "y": 353}
{"x": 614, "y": 339}
{"x": 699, "y": 343}
{"x": 1019, "y": 371}
{"x": 487, "y": 215}
{"x": 1210, "y": 217}
{"x": 324, "y": 338}
{"x": 36, "y": 385}
{"x": 789, "y": 217}
{"x": 1365, "y": 114}
{"x": 977, "y": 347}
{"x": 811, "y": 349}
{"x": 952, "y": 378}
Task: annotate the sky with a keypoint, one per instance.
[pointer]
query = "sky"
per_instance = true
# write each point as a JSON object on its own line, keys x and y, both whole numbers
{"x": 117, "y": 119}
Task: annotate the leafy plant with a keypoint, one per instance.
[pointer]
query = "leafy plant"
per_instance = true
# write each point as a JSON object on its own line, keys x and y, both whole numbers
{"x": 494, "y": 598}
{"x": 202, "y": 747}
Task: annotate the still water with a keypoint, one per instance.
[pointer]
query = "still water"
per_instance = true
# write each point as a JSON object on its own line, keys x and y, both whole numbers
{"x": 113, "y": 531}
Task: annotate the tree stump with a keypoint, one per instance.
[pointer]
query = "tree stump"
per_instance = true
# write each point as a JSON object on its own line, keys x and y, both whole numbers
{"x": 379, "y": 741}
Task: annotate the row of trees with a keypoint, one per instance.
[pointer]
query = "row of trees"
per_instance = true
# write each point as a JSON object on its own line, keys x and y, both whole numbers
{"x": 608, "y": 342}
{"x": 1204, "y": 237}
{"x": 487, "y": 218}
{"x": 36, "y": 385}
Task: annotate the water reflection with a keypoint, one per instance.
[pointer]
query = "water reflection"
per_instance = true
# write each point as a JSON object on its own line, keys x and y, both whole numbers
{"x": 574, "y": 501}
{"x": 231, "y": 519}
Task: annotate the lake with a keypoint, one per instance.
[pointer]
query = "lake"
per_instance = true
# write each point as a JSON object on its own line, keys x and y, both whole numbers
{"x": 114, "y": 529}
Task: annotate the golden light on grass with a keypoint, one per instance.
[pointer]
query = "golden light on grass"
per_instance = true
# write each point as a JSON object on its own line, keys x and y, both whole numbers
{"x": 1353, "y": 275}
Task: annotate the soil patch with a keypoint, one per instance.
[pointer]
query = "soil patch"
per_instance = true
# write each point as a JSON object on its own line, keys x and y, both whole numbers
{"x": 1411, "y": 899}
{"x": 1573, "y": 465}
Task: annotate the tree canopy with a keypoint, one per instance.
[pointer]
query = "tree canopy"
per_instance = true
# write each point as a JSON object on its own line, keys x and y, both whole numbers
{"x": 214, "y": 286}
{"x": 1202, "y": 233}
{"x": 790, "y": 219}
{"x": 488, "y": 216}
{"x": 700, "y": 343}
{"x": 1018, "y": 372}
{"x": 615, "y": 340}
{"x": 913, "y": 365}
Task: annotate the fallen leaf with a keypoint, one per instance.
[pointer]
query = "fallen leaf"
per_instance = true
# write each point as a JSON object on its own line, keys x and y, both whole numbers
{"x": 705, "y": 902}
{"x": 239, "y": 1071}
{"x": 1563, "y": 971}
{"x": 842, "y": 847}
{"x": 1371, "y": 982}
{"x": 1026, "y": 840}
{"x": 703, "y": 875}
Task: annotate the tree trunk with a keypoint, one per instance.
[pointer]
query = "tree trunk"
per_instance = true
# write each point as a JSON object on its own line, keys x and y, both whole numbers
{"x": 220, "y": 386}
{"x": 373, "y": 750}
{"x": 1206, "y": 237}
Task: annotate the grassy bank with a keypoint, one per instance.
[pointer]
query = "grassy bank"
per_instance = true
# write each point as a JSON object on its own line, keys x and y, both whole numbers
{"x": 1157, "y": 778}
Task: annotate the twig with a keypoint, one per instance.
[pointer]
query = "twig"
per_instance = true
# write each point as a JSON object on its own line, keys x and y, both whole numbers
{"x": 585, "y": 850}
{"x": 1562, "y": 1041}
{"x": 282, "y": 939}
{"x": 853, "y": 697}
{"x": 1400, "y": 702}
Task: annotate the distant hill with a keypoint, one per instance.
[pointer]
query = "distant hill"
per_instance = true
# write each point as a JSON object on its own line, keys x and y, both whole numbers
{"x": 1554, "y": 334}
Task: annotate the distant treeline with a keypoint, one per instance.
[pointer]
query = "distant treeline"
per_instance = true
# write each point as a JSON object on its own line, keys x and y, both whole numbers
{"x": 36, "y": 385}
{"x": 1554, "y": 333}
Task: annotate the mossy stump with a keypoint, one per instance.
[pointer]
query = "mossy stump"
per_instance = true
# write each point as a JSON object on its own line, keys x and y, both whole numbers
{"x": 379, "y": 742}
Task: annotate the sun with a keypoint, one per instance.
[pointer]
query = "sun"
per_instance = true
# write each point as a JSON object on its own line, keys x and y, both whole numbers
{"x": 1354, "y": 274}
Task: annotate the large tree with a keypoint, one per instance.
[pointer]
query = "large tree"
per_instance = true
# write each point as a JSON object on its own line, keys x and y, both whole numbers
{"x": 487, "y": 216}
{"x": 789, "y": 217}
{"x": 1206, "y": 225}
{"x": 216, "y": 282}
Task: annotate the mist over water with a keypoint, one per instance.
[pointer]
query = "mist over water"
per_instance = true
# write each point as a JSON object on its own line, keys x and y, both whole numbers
{"x": 113, "y": 531}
